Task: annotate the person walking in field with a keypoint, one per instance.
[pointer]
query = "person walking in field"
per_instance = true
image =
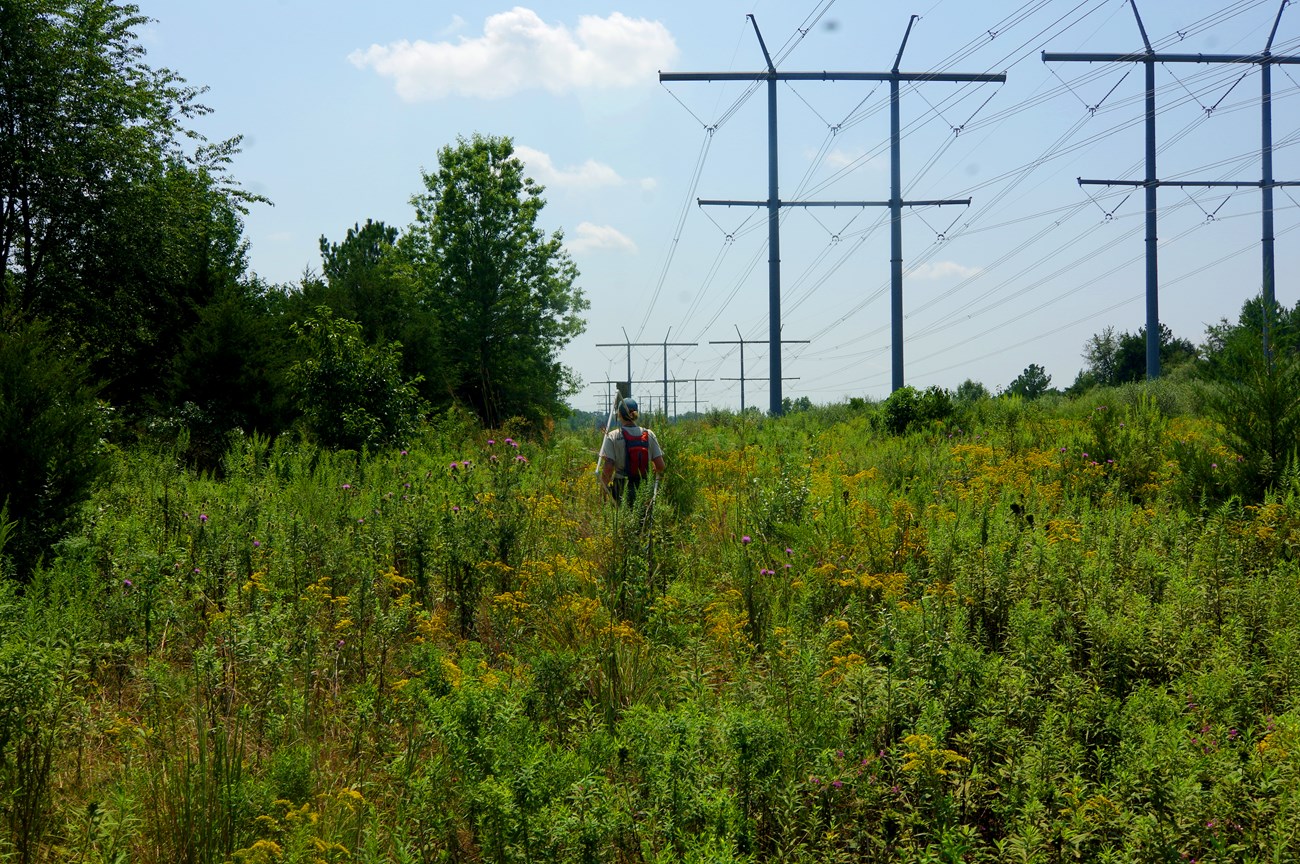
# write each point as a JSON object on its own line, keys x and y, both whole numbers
{"x": 627, "y": 453}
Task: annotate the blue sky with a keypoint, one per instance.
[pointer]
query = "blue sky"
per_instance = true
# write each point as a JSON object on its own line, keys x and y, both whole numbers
{"x": 342, "y": 104}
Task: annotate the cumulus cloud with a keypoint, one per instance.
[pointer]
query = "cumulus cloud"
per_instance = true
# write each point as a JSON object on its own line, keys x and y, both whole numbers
{"x": 519, "y": 51}
{"x": 589, "y": 175}
{"x": 588, "y": 237}
{"x": 942, "y": 270}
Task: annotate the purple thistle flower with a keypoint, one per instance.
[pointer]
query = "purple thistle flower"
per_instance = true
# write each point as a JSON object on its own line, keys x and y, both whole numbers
{"x": 403, "y": 452}
{"x": 453, "y": 466}
{"x": 746, "y": 540}
{"x": 203, "y": 517}
{"x": 838, "y": 784}
{"x": 127, "y": 583}
{"x": 257, "y": 544}
{"x": 492, "y": 441}
{"x": 346, "y": 486}
{"x": 789, "y": 551}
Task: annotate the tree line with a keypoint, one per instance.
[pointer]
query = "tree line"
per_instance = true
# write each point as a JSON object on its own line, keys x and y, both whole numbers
{"x": 128, "y": 308}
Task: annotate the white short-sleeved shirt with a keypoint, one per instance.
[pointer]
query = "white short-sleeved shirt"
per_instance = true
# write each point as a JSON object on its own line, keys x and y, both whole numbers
{"x": 613, "y": 448}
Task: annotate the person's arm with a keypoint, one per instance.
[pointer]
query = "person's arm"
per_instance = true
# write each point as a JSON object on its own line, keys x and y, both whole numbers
{"x": 659, "y": 464}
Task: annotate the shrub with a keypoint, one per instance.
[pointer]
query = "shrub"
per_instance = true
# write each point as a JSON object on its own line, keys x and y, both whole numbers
{"x": 1257, "y": 400}
{"x": 907, "y": 406}
{"x": 50, "y": 435}
{"x": 352, "y": 394}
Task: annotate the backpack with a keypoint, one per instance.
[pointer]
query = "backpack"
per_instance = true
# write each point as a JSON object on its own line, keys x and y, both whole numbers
{"x": 638, "y": 454}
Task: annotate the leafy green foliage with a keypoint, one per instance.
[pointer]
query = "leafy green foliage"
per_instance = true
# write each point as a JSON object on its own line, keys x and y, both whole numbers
{"x": 1257, "y": 399}
{"x": 509, "y": 287}
{"x": 971, "y": 391}
{"x": 1031, "y": 383}
{"x": 351, "y": 394}
{"x": 107, "y": 229}
{"x": 1111, "y": 359}
{"x": 907, "y": 408}
{"x": 853, "y": 646}
{"x": 50, "y": 428}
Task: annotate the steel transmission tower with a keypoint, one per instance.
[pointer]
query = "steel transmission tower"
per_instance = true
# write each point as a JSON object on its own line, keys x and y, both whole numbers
{"x": 774, "y": 203}
{"x": 1149, "y": 58}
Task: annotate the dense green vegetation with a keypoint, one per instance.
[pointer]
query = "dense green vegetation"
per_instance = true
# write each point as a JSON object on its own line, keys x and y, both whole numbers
{"x": 122, "y": 255}
{"x": 307, "y": 573}
{"x": 1036, "y": 631}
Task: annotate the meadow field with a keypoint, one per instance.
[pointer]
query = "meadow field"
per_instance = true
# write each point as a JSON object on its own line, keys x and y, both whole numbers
{"x": 1034, "y": 632}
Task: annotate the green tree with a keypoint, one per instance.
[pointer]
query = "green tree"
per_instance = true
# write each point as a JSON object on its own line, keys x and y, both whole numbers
{"x": 1257, "y": 400}
{"x": 1111, "y": 359}
{"x": 971, "y": 390}
{"x": 361, "y": 282}
{"x": 1031, "y": 383}
{"x": 367, "y": 278}
{"x": 908, "y": 408}
{"x": 352, "y": 395}
{"x": 503, "y": 290}
{"x": 50, "y": 429}
{"x": 230, "y": 371}
{"x": 109, "y": 230}
{"x": 1284, "y": 332}
{"x": 1255, "y": 397}
{"x": 791, "y": 406}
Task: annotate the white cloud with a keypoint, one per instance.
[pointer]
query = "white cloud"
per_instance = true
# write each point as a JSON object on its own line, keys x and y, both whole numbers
{"x": 841, "y": 158}
{"x": 589, "y": 175}
{"x": 519, "y": 51}
{"x": 457, "y": 24}
{"x": 589, "y": 236}
{"x": 942, "y": 270}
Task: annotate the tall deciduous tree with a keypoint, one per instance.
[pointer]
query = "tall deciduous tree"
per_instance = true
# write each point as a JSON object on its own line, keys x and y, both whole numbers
{"x": 503, "y": 291}
{"x": 109, "y": 229}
